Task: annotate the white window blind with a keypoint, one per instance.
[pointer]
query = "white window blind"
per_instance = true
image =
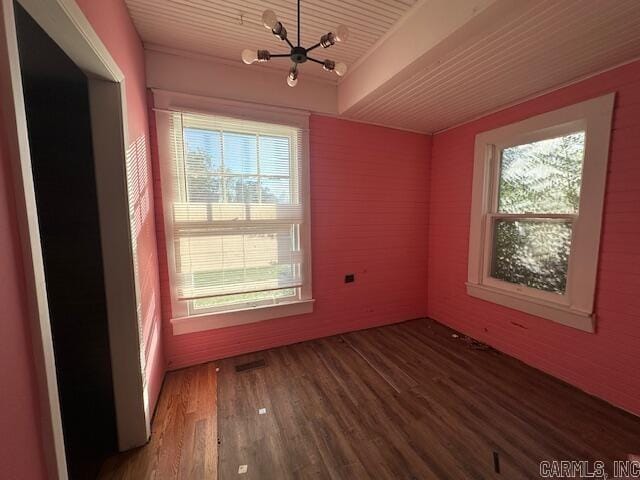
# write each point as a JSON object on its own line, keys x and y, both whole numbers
{"x": 237, "y": 210}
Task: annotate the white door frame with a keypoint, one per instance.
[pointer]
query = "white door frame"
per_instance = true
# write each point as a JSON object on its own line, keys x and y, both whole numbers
{"x": 65, "y": 23}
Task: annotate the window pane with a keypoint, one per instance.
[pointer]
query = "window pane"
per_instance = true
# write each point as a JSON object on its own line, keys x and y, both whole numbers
{"x": 204, "y": 188}
{"x": 203, "y": 165}
{"x": 242, "y": 189}
{"x": 275, "y": 190}
{"x": 230, "y": 275}
{"x": 228, "y": 262}
{"x": 240, "y": 153}
{"x": 532, "y": 253}
{"x": 202, "y": 148}
{"x": 243, "y": 298}
{"x": 542, "y": 177}
{"x": 274, "y": 156}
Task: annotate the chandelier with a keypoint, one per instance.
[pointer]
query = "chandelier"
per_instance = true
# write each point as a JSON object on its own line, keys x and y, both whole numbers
{"x": 298, "y": 53}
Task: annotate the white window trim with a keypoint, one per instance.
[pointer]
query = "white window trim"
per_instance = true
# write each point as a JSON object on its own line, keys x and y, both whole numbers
{"x": 184, "y": 322}
{"x": 229, "y": 318}
{"x": 575, "y": 308}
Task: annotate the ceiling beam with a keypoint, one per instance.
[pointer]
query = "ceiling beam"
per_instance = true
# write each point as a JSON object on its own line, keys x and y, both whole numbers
{"x": 423, "y": 28}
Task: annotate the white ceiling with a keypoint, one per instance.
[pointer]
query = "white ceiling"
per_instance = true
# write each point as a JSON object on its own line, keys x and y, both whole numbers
{"x": 430, "y": 64}
{"x": 223, "y": 28}
{"x": 540, "y": 45}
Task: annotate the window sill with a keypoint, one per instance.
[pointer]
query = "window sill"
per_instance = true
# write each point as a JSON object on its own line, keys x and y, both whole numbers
{"x": 558, "y": 313}
{"x": 212, "y": 321}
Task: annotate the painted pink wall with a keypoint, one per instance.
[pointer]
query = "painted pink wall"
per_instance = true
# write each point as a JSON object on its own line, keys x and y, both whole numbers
{"x": 110, "y": 19}
{"x": 606, "y": 363}
{"x": 364, "y": 221}
{"x": 21, "y": 456}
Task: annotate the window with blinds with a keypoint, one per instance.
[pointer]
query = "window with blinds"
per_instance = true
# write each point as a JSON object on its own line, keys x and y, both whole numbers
{"x": 237, "y": 211}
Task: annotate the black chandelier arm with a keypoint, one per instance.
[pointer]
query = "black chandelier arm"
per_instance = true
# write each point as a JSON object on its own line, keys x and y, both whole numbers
{"x": 280, "y": 55}
{"x": 313, "y": 60}
{"x": 313, "y": 47}
{"x": 286, "y": 39}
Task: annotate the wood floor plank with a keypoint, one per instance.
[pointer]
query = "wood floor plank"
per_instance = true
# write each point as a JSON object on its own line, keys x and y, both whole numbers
{"x": 526, "y": 392}
{"x": 408, "y": 401}
{"x": 183, "y": 442}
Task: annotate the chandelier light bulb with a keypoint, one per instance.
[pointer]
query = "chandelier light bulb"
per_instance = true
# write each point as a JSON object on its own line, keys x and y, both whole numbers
{"x": 292, "y": 78}
{"x": 249, "y": 56}
{"x": 342, "y": 33}
{"x": 329, "y": 65}
{"x": 341, "y": 69}
{"x": 269, "y": 19}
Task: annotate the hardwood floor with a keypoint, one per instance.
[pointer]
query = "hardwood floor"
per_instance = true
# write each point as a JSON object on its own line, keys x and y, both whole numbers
{"x": 184, "y": 432}
{"x": 406, "y": 401}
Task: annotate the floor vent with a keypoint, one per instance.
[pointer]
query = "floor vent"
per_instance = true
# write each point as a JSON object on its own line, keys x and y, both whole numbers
{"x": 245, "y": 367}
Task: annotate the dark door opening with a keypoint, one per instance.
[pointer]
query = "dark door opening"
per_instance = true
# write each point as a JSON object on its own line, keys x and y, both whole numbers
{"x": 59, "y": 127}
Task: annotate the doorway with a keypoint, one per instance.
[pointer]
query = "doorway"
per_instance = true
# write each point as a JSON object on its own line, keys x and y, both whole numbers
{"x": 56, "y": 96}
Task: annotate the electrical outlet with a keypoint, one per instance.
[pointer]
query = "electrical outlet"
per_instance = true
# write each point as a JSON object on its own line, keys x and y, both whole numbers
{"x": 243, "y": 469}
{"x": 349, "y": 278}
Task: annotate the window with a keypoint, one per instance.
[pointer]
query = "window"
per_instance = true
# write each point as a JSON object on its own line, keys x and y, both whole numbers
{"x": 236, "y": 215}
{"x": 538, "y": 195}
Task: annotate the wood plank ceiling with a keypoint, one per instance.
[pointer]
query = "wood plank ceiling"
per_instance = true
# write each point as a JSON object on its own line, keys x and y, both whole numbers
{"x": 543, "y": 44}
{"x": 547, "y": 44}
{"x": 223, "y": 28}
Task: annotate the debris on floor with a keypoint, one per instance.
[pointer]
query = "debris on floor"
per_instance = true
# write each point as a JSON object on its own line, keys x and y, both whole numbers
{"x": 475, "y": 344}
{"x": 472, "y": 342}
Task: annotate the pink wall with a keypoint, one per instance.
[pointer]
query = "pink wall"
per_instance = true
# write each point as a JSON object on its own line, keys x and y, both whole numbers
{"x": 364, "y": 221}
{"x": 22, "y": 456}
{"x": 110, "y": 19}
{"x": 606, "y": 363}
